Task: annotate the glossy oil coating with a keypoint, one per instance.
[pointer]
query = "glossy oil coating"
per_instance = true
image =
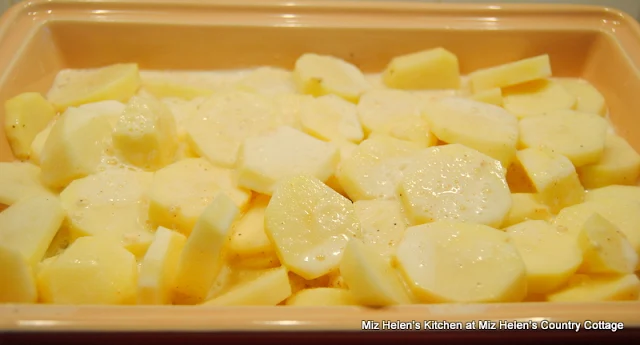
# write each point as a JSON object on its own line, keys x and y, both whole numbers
{"x": 39, "y": 38}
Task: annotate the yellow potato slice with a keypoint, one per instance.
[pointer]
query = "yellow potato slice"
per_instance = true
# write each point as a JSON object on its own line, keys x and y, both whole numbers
{"x": 183, "y": 111}
{"x": 537, "y": 67}
{"x": 298, "y": 283}
{"x": 578, "y": 136}
{"x": 619, "y": 165}
{"x": 114, "y": 82}
{"x": 180, "y": 192}
{"x": 550, "y": 257}
{"x": 588, "y": 98}
{"x": 90, "y": 271}
{"x": 319, "y": 75}
{"x": 19, "y": 180}
{"x": 25, "y": 115}
{"x": 429, "y": 69}
{"x": 614, "y": 192}
{"x": 268, "y": 289}
{"x": 331, "y": 118}
{"x": 202, "y": 258}
{"x": 265, "y": 160}
{"x": 370, "y": 278}
{"x": 29, "y": 225}
{"x": 490, "y": 96}
{"x": 310, "y": 224}
{"x": 454, "y": 182}
{"x": 111, "y": 204}
{"x": 146, "y": 134}
{"x": 157, "y": 274}
{"x": 552, "y": 175}
{"x": 289, "y": 107}
{"x": 537, "y": 98}
{"x": 380, "y": 107}
{"x": 458, "y": 262}
{"x": 224, "y": 120}
{"x": 409, "y": 128}
{"x": 583, "y": 288}
{"x": 249, "y": 237}
{"x": 38, "y": 142}
{"x": 526, "y": 206}
{"x": 317, "y": 297}
{"x": 18, "y": 284}
{"x": 605, "y": 248}
{"x": 383, "y": 224}
{"x": 483, "y": 127}
{"x": 375, "y": 167}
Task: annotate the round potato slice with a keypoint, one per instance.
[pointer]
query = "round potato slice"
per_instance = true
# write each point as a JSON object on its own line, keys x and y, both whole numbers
{"x": 450, "y": 261}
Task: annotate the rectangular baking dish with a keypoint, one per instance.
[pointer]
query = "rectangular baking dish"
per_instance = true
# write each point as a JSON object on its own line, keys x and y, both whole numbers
{"x": 39, "y": 38}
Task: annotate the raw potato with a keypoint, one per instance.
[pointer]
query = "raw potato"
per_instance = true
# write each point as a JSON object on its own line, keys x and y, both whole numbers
{"x": 409, "y": 128}
{"x": 165, "y": 88}
{"x": 588, "y": 98}
{"x": 180, "y": 192}
{"x": 310, "y": 225}
{"x": 429, "y": 69}
{"x": 202, "y": 257}
{"x": 526, "y": 206}
{"x": 615, "y": 192}
{"x": 513, "y": 73}
{"x": 490, "y": 96}
{"x": 115, "y": 82}
{"x": 454, "y": 182}
{"x": 289, "y": 108}
{"x": 578, "y": 136}
{"x": 317, "y": 297}
{"x": 249, "y": 238}
{"x": 269, "y": 81}
{"x": 550, "y": 256}
{"x": 25, "y": 115}
{"x": 225, "y": 120}
{"x": 90, "y": 271}
{"x": 483, "y": 127}
{"x": 537, "y": 97}
{"x": 379, "y": 107}
{"x": 623, "y": 213}
{"x": 605, "y": 248}
{"x": 265, "y": 160}
{"x": 30, "y": 225}
{"x": 18, "y": 284}
{"x": 619, "y": 165}
{"x": 552, "y": 175}
{"x": 383, "y": 224}
{"x": 38, "y": 142}
{"x": 158, "y": 268}
{"x": 458, "y": 262}
{"x": 583, "y": 288}
{"x": 268, "y": 289}
{"x": 375, "y": 167}
{"x": 19, "y": 180}
{"x": 113, "y": 205}
{"x": 75, "y": 147}
{"x": 370, "y": 278}
{"x": 319, "y": 75}
{"x": 331, "y": 118}
{"x": 146, "y": 134}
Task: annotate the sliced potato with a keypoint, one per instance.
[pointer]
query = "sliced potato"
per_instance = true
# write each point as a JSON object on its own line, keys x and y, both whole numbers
{"x": 550, "y": 256}
{"x": 19, "y": 180}
{"x": 537, "y": 97}
{"x": 38, "y": 142}
{"x": 457, "y": 262}
{"x": 265, "y": 160}
{"x": 114, "y": 82}
{"x": 483, "y": 127}
{"x": 583, "y": 288}
{"x": 578, "y": 136}
{"x": 249, "y": 238}
{"x": 331, "y": 118}
{"x": 619, "y": 165}
{"x": 18, "y": 283}
{"x": 370, "y": 278}
{"x": 614, "y": 192}
{"x": 553, "y": 177}
{"x": 268, "y": 289}
{"x": 310, "y": 224}
{"x": 383, "y": 224}
{"x": 588, "y": 98}
{"x": 25, "y": 115}
{"x": 454, "y": 182}
{"x": 521, "y": 71}
{"x": 409, "y": 128}
{"x": 380, "y": 107}
{"x": 429, "y": 69}
{"x": 320, "y": 75}
{"x": 605, "y": 248}
{"x": 321, "y": 297}
{"x": 490, "y": 96}
{"x": 526, "y": 206}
